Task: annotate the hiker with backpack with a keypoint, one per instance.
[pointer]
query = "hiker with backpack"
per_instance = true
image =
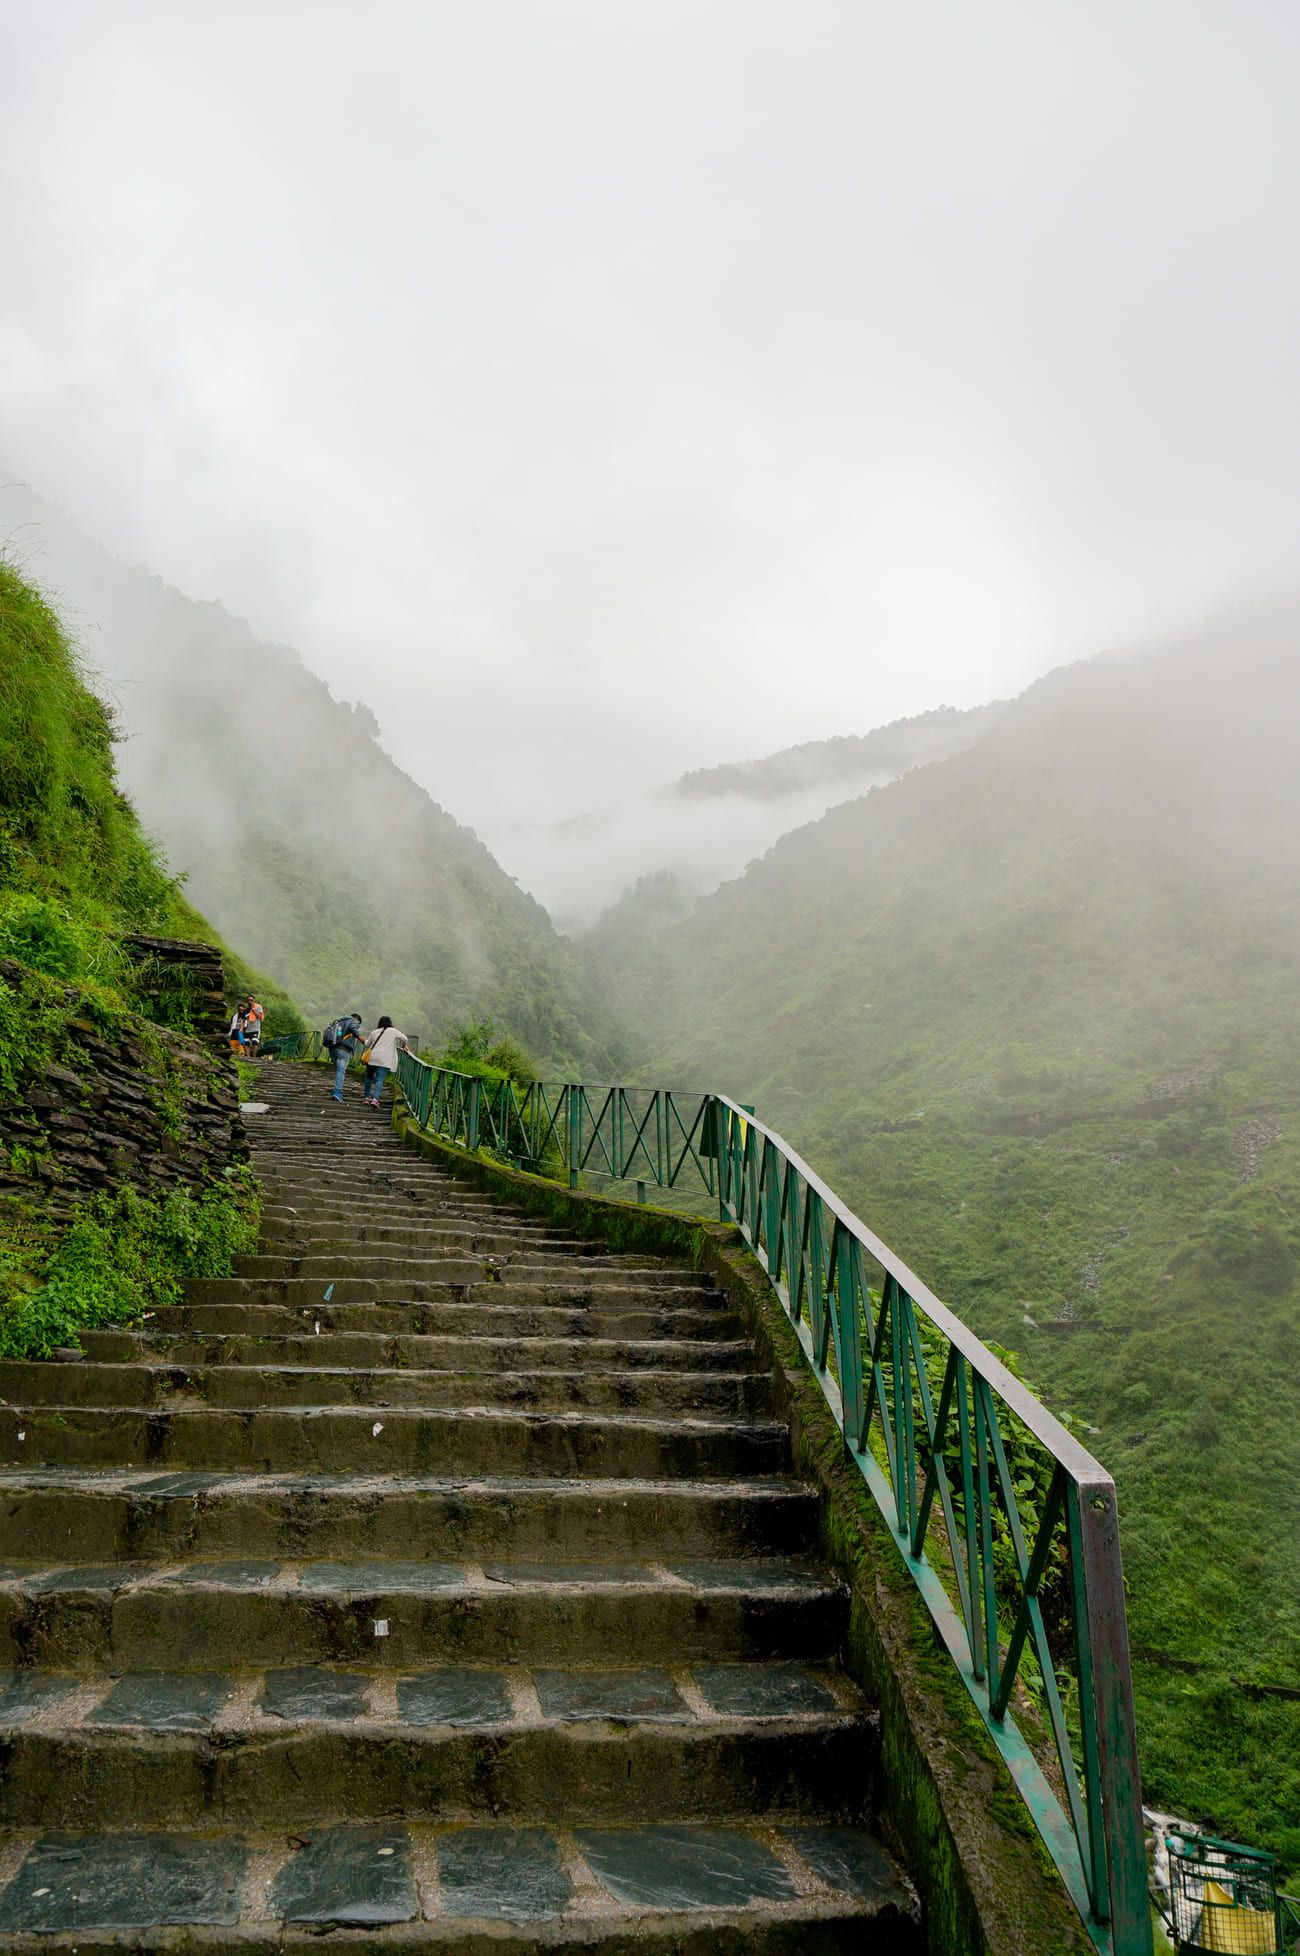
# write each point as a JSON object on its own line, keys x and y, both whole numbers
{"x": 341, "y": 1039}
{"x": 380, "y": 1056}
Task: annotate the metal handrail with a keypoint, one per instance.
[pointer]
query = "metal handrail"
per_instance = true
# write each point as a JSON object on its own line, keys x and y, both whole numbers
{"x": 931, "y": 1419}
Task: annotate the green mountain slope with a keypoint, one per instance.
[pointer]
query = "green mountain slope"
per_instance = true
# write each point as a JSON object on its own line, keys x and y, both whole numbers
{"x": 76, "y": 868}
{"x": 300, "y": 837}
{"x": 1034, "y": 1012}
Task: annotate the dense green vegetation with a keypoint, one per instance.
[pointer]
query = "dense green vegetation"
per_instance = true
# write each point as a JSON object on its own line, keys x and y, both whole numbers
{"x": 122, "y": 1255}
{"x": 76, "y": 868}
{"x": 301, "y": 839}
{"x": 76, "y": 872}
{"x": 1032, "y": 1012}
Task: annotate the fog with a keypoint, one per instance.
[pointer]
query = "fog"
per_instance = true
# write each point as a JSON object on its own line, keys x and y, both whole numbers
{"x": 606, "y": 390}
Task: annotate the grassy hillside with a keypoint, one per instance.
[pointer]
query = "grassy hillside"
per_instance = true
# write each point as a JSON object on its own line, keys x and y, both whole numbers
{"x": 76, "y": 868}
{"x": 302, "y": 840}
{"x": 77, "y": 872}
{"x": 1033, "y": 1012}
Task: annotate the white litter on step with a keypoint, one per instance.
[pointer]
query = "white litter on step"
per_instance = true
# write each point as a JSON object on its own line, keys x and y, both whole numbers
{"x": 381, "y": 1626}
{"x": 254, "y": 1107}
{"x": 318, "y": 1327}
{"x": 385, "y": 1851}
{"x": 375, "y": 1430}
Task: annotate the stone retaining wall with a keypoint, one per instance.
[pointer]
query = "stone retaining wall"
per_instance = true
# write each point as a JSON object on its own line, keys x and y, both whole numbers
{"x": 142, "y": 1104}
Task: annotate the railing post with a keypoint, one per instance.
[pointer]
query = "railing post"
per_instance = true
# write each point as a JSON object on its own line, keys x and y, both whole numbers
{"x": 471, "y": 1117}
{"x": 1122, "y": 1860}
{"x": 575, "y": 1132}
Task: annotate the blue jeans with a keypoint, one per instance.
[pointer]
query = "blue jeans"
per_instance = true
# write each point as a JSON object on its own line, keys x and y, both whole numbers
{"x": 341, "y": 1058}
{"x": 374, "y": 1082}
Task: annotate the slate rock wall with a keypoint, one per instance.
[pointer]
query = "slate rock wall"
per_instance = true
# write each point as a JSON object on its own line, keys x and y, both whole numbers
{"x": 143, "y": 1104}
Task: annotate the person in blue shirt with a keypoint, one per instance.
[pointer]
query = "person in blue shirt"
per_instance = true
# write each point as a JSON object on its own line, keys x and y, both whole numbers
{"x": 342, "y": 1040}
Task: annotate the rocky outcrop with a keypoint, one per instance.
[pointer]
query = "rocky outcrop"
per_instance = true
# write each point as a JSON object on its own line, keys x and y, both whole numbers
{"x": 181, "y": 981}
{"x": 104, "y": 1102}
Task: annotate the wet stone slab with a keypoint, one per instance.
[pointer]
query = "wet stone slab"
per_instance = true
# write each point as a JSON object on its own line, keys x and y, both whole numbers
{"x": 114, "y": 1576}
{"x": 163, "y": 1702}
{"x": 355, "y": 1876}
{"x": 383, "y": 1578}
{"x": 454, "y": 1697}
{"x": 503, "y": 1873}
{"x": 683, "y": 1867}
{"x": 178, "y": 1486}
{"x": 761, "y": 1690}
{"x": 632, "y": 1695}
{"x": 124, "y": 1881}
{"x": 551, "y": 1573}
{"x": 747, "y": 1575}
{"x": 852, "y": 1861}
{"x": 307, "y": 1693}
{"x": 25, "y": 1693}
{"x": 226, "y": 1575}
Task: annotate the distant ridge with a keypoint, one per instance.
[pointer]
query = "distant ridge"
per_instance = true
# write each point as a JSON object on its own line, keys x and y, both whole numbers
{"x": 885, "y": 751}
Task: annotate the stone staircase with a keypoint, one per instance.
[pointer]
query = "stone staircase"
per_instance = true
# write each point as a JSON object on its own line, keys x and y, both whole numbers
{"x": 438, "y": 1575}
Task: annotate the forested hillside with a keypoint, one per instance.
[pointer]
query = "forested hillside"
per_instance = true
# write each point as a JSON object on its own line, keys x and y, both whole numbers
{"x": 299, "y": 837}
{"x": 1033, "y": 1011}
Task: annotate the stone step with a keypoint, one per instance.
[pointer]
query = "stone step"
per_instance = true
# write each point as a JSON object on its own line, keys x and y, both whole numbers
{"x": 454, "y": 1264}
{"x": 469, "y": 1310}
{"x": 94, "y": 1515}
{"x": 299, "y": 1345}
{"x": 531, "y": 1284}
{"x": 791, "y": 1889}
{"x": 198, "y": 1616}
{"x": 148, "y": 1383}
{"x": 312, "y": 1239}
{"x": 392, "y": 1212}
{"x": 306, "y": 1743}
{"x": 354, "y": 1196}
{"x": 391, "y": 1439}
{"x": 315, "y": 1177}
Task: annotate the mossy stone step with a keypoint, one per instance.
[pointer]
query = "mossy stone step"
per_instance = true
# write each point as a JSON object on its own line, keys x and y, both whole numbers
{"x": 391, "y": 1439}
{"x": 214, "y": 1615}
{"x": 659, "y": 1394}
{"x": 487, "y": 1309}
{"x": 313, "y": 1743}
{"x": 90, "y": 1515}
{"x": 297, "y": 1345}
{"x": 791, "y": 1890}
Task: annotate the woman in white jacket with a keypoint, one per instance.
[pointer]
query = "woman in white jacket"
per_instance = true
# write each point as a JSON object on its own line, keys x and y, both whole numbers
{"x": 382, "y": 1048}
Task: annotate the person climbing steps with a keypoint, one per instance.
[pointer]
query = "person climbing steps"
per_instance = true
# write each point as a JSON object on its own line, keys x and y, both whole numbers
{"x": 341, "y": 1039}
{"x": 380, "y": 1056}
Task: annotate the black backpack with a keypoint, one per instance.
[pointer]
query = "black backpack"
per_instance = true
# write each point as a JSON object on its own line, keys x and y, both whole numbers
{"x": 333, "y": 1034}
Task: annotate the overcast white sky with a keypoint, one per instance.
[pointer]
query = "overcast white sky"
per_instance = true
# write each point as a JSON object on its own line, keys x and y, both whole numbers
{"x": 605, "y": 387}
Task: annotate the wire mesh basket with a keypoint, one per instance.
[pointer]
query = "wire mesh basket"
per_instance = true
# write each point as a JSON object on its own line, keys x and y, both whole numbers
{"x": 1223, "y": 1898}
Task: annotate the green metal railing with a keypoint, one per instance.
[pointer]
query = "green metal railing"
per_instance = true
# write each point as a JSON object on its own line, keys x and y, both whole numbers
{"x": 939, "y": 1429}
